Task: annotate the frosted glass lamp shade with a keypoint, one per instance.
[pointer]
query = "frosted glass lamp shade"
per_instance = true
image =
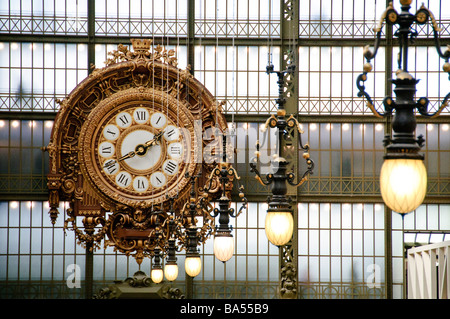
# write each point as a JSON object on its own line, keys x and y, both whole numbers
{"x": 171, "y": 271}
{"x": 223, "y": 247}
{"x": 279, "y": 227}
{"x": 157, "y": 275}
{"x": 193, "y": 266}
{"x": 403, "y": 184}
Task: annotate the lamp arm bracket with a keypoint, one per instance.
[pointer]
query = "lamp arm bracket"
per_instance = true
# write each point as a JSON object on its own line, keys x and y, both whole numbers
{"x": 386, "y": 14}
{"x": 258, "y": 177}
{"x": 422, "y": 106}
{"x": 389, "y": 106}
{"x": 368, "y": 54}
{"x": 292, "y": 121}
{"x": 421, "y": 17}
{"x": 362, "y": 93}
{"x": 304, "y": 178}
{"x": 243, "y": 206}
{"x": 214, "y": 213}
{"x": 232, "y": 172}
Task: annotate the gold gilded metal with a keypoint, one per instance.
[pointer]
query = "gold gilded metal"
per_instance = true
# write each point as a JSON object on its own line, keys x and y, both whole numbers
{"x": 141, "y": 76}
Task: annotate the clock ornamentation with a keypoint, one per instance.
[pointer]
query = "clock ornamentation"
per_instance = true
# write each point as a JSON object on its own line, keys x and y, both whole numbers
{"x": 126, "y": 140}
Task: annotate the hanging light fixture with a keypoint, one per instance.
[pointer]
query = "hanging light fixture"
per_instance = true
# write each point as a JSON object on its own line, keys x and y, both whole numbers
{"x": 279, "y": 223}
{"x": 193, "y": 263}
{"x": 223, "y": 239}
{"x": 403, "y": 176}
{"x": 171, "y": 267}
{"x": 194, "y": 235}
{"x": 157, "y": 272}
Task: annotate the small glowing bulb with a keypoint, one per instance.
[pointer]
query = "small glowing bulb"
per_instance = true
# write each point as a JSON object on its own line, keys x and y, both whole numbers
{"x": 279, "y": 227}
{"x": 157, "y": 275}
{"x": 171, "y": 271}
{"x": 193, "y": 266}
{"x": 403, "y": 184}
{"x": 223, "y": 247}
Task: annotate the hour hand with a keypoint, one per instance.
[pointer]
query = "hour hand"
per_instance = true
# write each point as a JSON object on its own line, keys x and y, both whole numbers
{"x": 111, "y": 163}
{"x": 129, "y": 155}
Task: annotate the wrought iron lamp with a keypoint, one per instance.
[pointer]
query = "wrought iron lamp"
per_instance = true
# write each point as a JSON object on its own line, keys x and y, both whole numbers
{"x": 180, "y": 229}
{"x": 223, "y": 239}
{"x": 403, "y": 177}
{"x": 171, "y": 266}
{"x": 279, "y": 219}
{"x": 194, "y": 235}
{"x": 157, "y": 271}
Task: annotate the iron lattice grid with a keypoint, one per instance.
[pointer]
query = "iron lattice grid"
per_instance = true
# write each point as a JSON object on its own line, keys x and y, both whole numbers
{"x": 46, "y": 49}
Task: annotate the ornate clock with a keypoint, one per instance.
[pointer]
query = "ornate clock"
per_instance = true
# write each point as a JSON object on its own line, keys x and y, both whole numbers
{"x": 126, "y": 140}
{"x": 136, "y": 150}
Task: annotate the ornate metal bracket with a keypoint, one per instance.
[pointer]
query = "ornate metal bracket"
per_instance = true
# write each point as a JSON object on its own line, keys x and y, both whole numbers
{"x": 405, "y": 35}
{"x": 226, "y": 175}
{"x": 292, "y": 123}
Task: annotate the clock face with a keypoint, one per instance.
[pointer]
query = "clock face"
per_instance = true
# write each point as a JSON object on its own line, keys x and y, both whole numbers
{"x": 137, "y": 151}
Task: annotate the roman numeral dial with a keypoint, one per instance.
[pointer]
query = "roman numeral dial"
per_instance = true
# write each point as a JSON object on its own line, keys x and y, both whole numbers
{"x": 158, "y": 120}
{"x": 140, "y": 151}
{"x": 134, "y": 132}
{"x": 141, "y": 115}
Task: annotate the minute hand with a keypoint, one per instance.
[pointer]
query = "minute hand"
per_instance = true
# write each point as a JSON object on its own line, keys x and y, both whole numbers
{"x": 155, "y": 139}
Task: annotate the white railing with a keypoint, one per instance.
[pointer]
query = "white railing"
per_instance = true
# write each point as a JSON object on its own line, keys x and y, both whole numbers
{"x": 428, "y": 271}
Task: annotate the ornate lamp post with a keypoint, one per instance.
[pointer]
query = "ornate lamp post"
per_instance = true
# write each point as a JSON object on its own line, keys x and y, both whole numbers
{"x": 279, "y": 220}
{"x": 403, "y": 177}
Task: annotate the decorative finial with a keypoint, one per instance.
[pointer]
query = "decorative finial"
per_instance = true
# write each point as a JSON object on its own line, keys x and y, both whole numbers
{"x": 141, "y": 44}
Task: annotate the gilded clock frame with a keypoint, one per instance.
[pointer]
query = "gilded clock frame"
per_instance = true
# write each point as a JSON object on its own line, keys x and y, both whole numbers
{"x": 141, "y": 74}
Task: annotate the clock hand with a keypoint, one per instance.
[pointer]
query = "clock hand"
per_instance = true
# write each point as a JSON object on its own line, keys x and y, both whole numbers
{"x": 141, "y": 149}
{"x": 129, "y": 155}
{"x": 155, "y": 139}
{"x": 112, "y": 162}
